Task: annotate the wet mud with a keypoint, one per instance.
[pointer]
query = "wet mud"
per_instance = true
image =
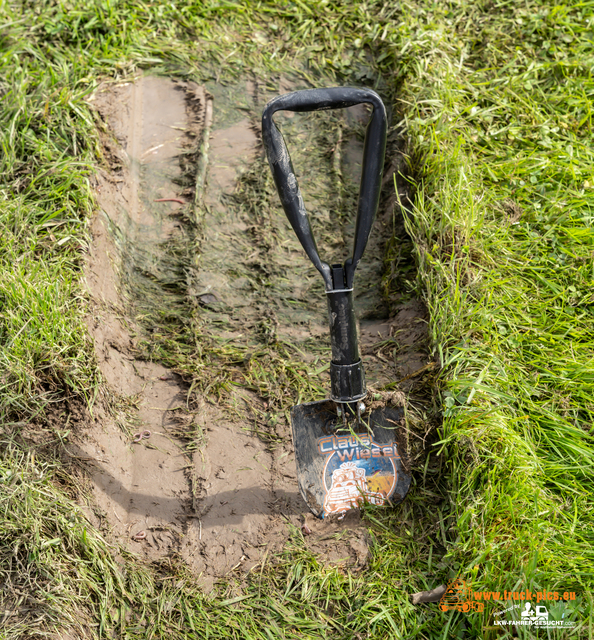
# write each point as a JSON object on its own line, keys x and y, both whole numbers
{"x": 206, "y": 484}
{"x": 342, "y": 543}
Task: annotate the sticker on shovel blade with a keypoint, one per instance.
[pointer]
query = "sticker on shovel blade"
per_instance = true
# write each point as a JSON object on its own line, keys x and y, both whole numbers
{"x": 357, "y": 470}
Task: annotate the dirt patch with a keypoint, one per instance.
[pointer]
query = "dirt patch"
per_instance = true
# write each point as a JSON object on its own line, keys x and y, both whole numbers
{"x": 247, "y": 498}
{"x": 338, "y": 542}
{"x": 140, "y": 478}
{"x": 223, "y": 504}
{"x": 175, "y": 470}
{"x": 394, "y": 350}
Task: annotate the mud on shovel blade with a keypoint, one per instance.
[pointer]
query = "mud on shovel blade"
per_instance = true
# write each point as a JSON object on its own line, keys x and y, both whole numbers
{"x": 344, "y": 456}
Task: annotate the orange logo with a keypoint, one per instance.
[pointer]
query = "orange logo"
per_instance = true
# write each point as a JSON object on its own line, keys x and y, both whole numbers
{"x": 457, "y": 596}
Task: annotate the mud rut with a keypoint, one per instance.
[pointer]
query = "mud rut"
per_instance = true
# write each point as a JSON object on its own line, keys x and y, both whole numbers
{"x": 215, "y": 482}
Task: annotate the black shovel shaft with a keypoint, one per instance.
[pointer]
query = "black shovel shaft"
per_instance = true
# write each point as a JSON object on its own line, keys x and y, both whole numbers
{"x": 347, "y": 376}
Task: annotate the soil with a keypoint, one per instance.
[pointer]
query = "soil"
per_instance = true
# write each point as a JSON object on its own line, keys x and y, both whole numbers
{"x": 139, "y": 486}
{"x": 392, "y": 349}
{"x": 338, "y": 542}
{"x": 202, "y": 484}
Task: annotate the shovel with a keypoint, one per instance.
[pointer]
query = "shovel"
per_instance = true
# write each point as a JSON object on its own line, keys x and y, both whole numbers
{"x": 346, "y": 456}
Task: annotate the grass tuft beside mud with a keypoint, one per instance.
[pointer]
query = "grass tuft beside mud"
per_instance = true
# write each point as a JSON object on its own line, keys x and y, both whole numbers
{"x": 491, "y": 139}
{"x": 503, "y": 235}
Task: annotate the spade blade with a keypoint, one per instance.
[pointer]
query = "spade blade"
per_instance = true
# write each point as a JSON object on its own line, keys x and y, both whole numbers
{"x": 341, "y": 468}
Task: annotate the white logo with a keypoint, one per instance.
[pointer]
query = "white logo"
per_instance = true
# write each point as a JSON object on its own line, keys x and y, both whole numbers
{"x": 541, "y": 613}
{"x": 535, "y": 617}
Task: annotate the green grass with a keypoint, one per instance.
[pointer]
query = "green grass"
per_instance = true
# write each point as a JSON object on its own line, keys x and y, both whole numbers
{"x": 496, "y": 99}
{"x": 503, "y": 234}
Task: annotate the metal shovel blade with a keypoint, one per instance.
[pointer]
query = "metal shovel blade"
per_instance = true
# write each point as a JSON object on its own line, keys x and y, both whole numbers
{"x": 342, "y": 468}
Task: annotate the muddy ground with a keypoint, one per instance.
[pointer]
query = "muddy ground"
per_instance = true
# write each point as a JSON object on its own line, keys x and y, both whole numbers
{"x": 189, "y": 459}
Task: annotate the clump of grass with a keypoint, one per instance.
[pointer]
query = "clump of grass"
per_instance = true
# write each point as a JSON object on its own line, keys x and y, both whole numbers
{"x": 57, "y": 573}
{"x": 501, "y": 225}
{"x": 44, "y": 198}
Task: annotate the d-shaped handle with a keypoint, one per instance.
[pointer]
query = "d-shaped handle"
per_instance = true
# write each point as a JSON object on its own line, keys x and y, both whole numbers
{"x": 371, "y": 176}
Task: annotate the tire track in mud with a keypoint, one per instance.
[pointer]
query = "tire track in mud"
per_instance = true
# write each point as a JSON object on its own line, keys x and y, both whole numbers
{"x": 139, "y": 487}
{"x": 221, "y": 506}
{"x": 215, "y": 483}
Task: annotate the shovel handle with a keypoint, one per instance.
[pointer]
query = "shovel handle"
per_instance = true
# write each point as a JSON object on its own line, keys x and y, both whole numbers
{"x": 371, "y": 176}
